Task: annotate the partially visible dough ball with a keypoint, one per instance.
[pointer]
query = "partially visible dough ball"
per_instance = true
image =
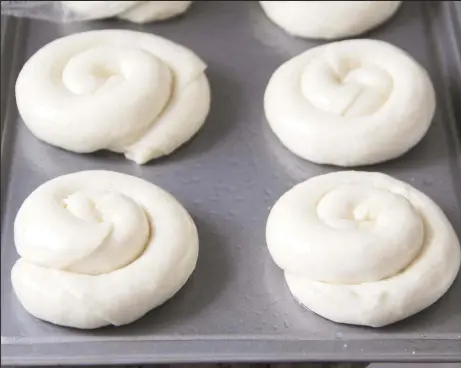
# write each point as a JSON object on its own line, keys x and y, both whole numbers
{"x": 362, "y": 247}
{"x": 134, "y": 11}
{"x": 128, "y": 92}
{"x": 100, "y": 248}
{"x": 151, "y": 11}
{"x": 350, "y": 103}
{"x": 329, "y": 19}
{"x": 98, "y": 9}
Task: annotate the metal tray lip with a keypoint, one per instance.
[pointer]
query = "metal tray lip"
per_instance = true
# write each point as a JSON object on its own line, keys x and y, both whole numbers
{"x": 10, "y": 53}
{"x": 443, "y": 40}
{"x": 252, "y": 351}
{"x": 212, "y": 349}
{"x": 448, "y": 30}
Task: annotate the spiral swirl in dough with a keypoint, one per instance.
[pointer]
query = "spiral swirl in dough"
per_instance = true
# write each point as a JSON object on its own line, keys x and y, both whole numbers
{"x": 350, "y": 103}
{"x": 133, "y": 11}
{"x": 329, "y": 19}
{"x": 100, "y": 248}
{"x": 125, "y": 91}
{"x": 362, "y": 248}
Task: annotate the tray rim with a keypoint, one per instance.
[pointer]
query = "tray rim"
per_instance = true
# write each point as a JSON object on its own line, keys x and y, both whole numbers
{"x": 250, "y": 351}
{"x": 213, "y": 349}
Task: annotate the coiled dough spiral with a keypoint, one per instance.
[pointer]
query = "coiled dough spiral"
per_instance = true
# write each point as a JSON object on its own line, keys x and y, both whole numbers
{"x": 329, "y": 19}
{"x": 350, "y": 103}
{"x": 133, "y": 11}
{"x": 125, "y": 91}
{"x": 362, "y": 248}
{"x": 100, "y": 248}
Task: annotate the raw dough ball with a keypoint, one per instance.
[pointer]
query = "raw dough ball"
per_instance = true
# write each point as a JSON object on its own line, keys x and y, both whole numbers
{"x": 362, "y": 248}
{"x": 150, "y": 11}
{"x": 134, "y": 11}
{"x": 348, "y": 103}
{"x": 100, "y": 248}
{"x": 329, "y": 19}
{"x": 98, "y": 9}
{"x": 125, "y": 91}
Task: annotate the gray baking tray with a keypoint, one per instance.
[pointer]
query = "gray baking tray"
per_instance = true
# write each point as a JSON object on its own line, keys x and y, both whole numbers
{"x": 236, "y": 307}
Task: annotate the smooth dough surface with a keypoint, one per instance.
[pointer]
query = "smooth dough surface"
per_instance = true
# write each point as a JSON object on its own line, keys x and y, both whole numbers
{"x": 100, "y": 248}
{"x": 133, "y": 11}
{"x": 125, "y": 91}
{"x": 350, "y": 103}
{"x": 150, "y": 11}
{"x": 362, "y": 248}
{"x": 329, "y": 19}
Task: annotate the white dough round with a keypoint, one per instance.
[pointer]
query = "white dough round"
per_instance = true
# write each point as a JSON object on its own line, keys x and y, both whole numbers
{"x": 362, "y": 248}
{"x": 329, "y": 19}
{"x": 133, "y": 11}
{"x": 151, "y": 11}
{"x": 98, "y": 9}
{"x": 125, "y": 91}
{"x": 350, "y": 103}
{"x": 100, "y": 248}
